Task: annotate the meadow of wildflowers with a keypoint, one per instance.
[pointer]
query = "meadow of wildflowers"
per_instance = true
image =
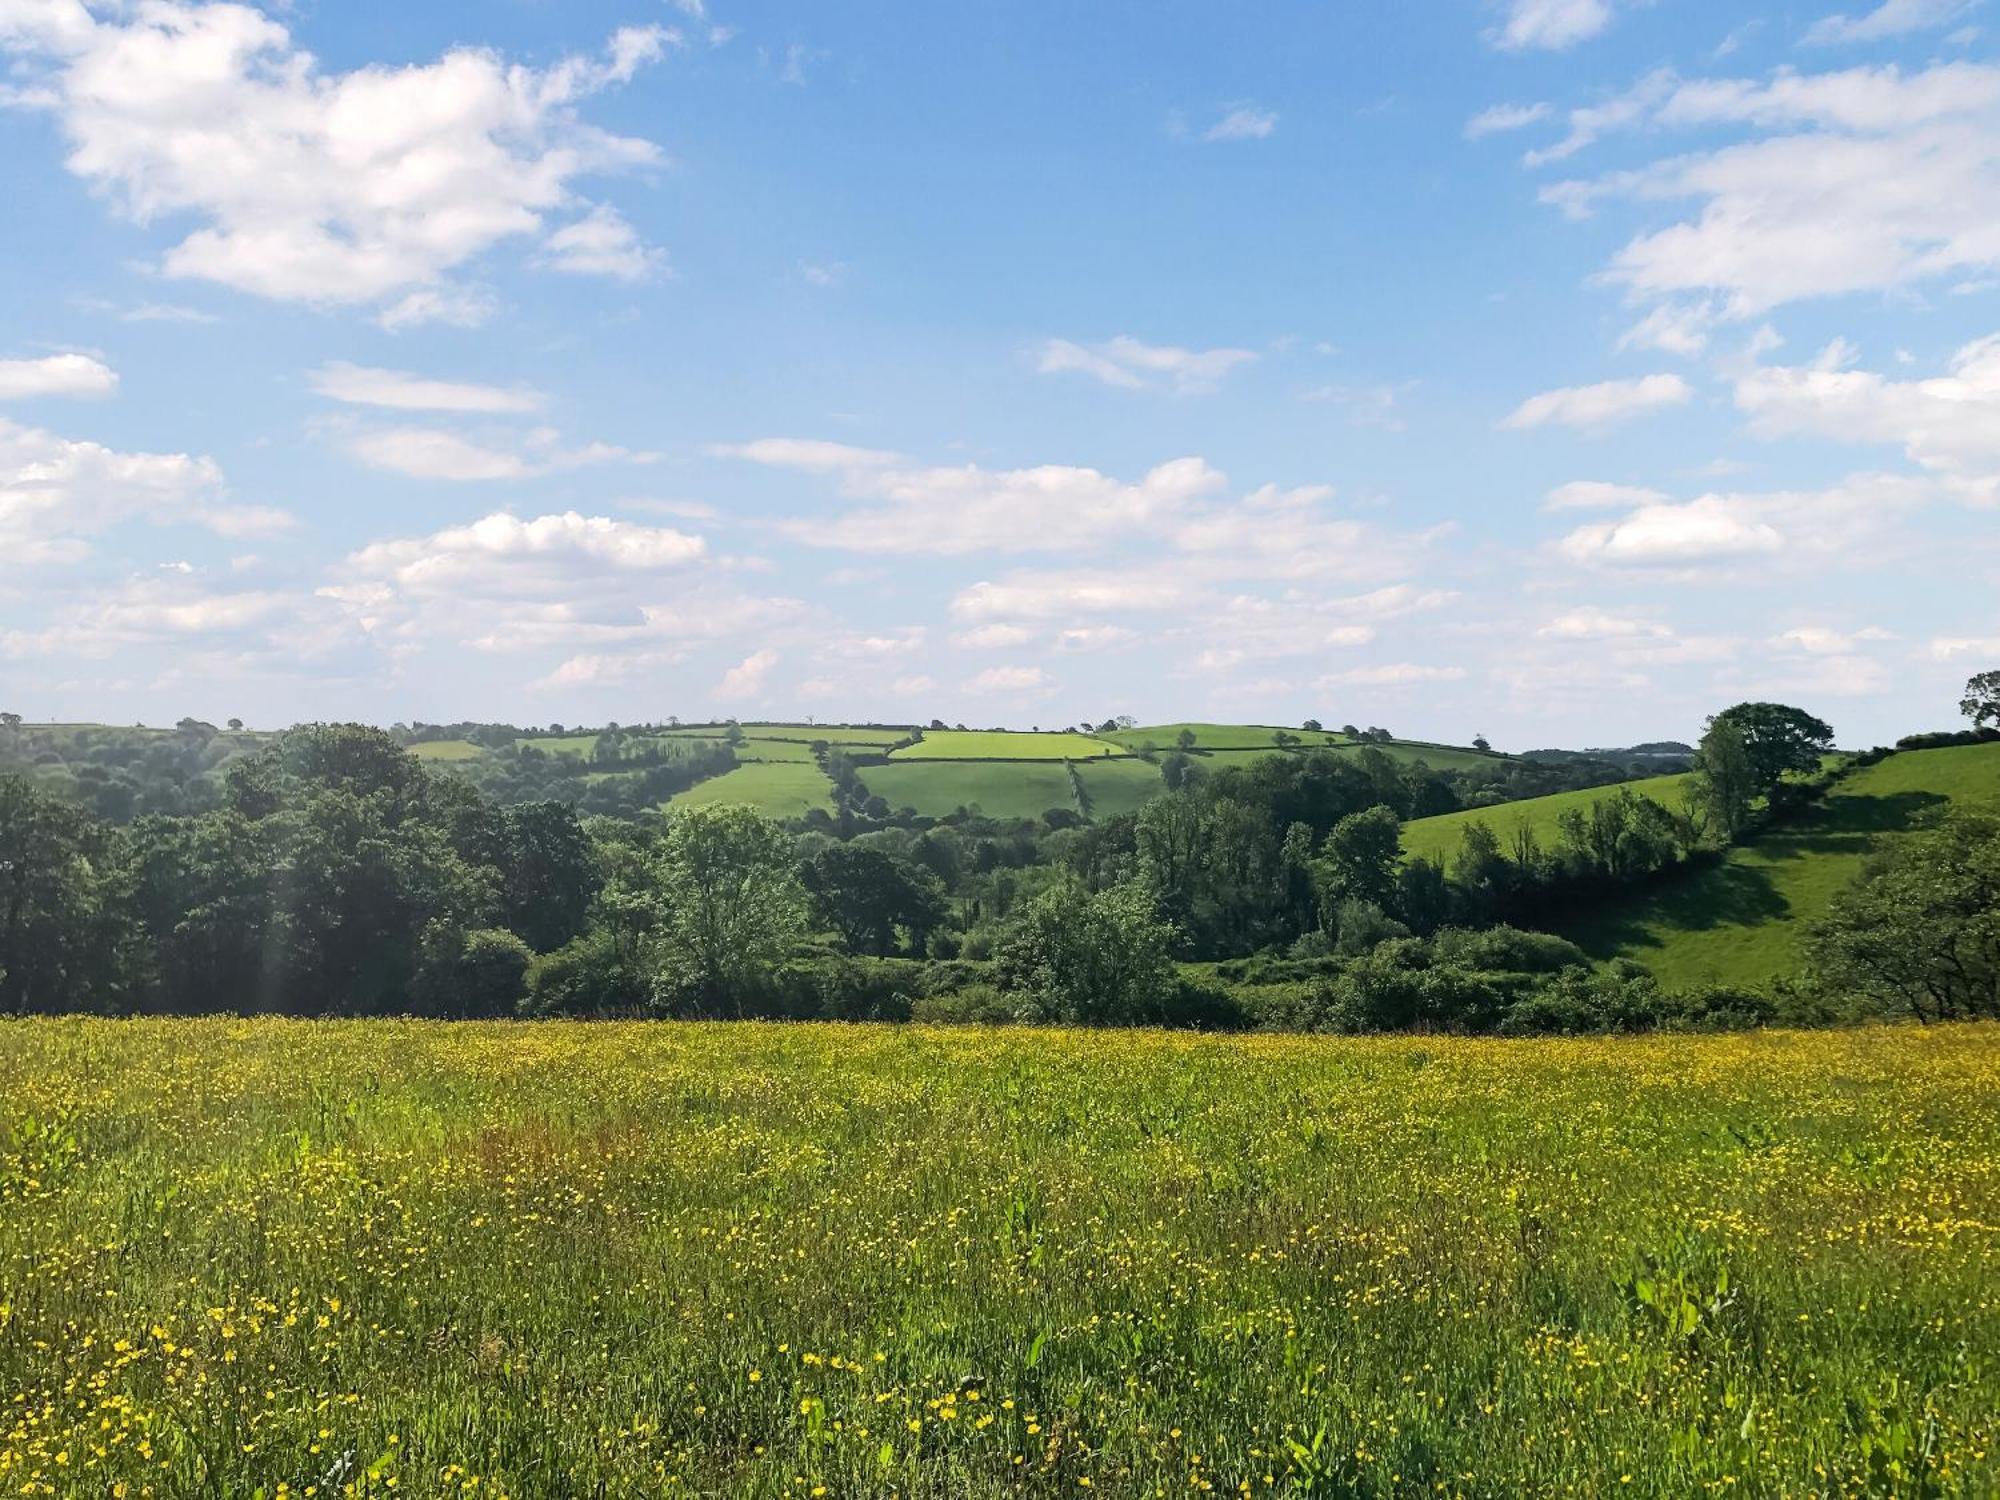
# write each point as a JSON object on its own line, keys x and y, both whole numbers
{"x": 263, "y": 1258}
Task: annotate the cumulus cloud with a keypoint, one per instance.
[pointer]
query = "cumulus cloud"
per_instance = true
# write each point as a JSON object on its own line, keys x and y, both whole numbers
{"x": 311, "y": 185}
{"x": 1857, "y": 180}
{"x": 359, "y": 385}
{"x": 56, "y": 375}
{"x": 602, "y": 243}
{"x": 813, "y": 455}
{"x": 1948, "y": 424}
{"x": 1128, "y": 363}
{"x": 1705, "y": 530}
{"x": 1391, "y": 675}
{"x": 1601, "y": 405}
{"x": 503, "y": 554}
{"x": 56, "y": 492}
{"x": 746, "y": 679}
{"x": 1590, "y": 623}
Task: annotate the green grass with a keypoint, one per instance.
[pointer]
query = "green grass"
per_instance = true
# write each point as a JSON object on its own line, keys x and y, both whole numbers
{"x": 446, "y": 750}
{"x": 763, "y": 1261}
{"x": 1742, "y": 921}
{"x": 564, "y": 744}
{"x": 1000, "y": 789}
{"x": 1438, "y": 838}
{"x": 778, "y": 789}
{"x": 833, "y": 734}
{"x": 1120, "y": 786}
{"x": 1219, "y": 736}
{"x": 961, "y": 744}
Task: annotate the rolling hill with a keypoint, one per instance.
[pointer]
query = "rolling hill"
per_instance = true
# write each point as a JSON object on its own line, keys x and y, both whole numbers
{"x": 1438, "y": 838}
{"x": 1740, "y": 921}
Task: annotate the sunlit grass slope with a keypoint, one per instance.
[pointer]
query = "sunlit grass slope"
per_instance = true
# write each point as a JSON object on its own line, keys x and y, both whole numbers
{"x": 1000, "y": 789}
{"x": 976, "y": 744}
{"x": 778, "y": 789}
{"x": 396, "y": 1258}
{"x": 1742, "y": 921}
{"x": 1439, "y": 837}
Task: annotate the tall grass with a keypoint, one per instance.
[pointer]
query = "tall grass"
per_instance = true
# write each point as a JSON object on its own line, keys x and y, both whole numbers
{"x": 257, "y": 1257}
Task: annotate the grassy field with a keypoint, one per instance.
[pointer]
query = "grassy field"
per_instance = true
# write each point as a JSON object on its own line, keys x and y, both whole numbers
{"x": 976, "y": 744}
{"x": 1000, "y": 789}
{"x": 402, "y": 1258}
{"x": 778, "y": 789}
{"x": 1119, "y": 786}
{"x": 1741, "y": 922}
{"x": 1219, "y": 736}
{"x": 446, "y": 750}
{"x": 1438, "y": 838}
{"x": 833, "y": 734}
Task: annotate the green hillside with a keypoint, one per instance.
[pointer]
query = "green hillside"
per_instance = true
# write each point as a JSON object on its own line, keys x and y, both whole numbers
{"x": 1000, "y": 789}
{"x": 1740, "y": 921}
{"x": 1439, "y": 837}
{"x": 779, "y": 789}
{"x": 976, "y": 744}
{"x": 1221, "y": 736}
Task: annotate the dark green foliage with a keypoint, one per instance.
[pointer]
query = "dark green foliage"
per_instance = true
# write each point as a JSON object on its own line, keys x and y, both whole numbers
{"x": 1778, "y": 740}
{"x": 1090, "y": 957}
{"x": 1981, "y": 702}
{"x": 1920, "y": 932}
{"x": 64, "y": 922}
{"x": 482, "y": 973}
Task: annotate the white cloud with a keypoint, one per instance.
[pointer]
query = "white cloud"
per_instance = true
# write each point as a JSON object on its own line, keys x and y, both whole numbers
{"x": 1860, "y": 180}
{"x": 359, "y": 385}
{"x": 1504, "y": 117}
{"x": 1589, "y": 623}
{"x": 1601, "y": 405}
{"x": 1949, "y": 424}
{"x": 1391, "y": 675}
{"x": 1595, "y": 494}
{"x": 993, "y": 637}
{"x": 602, "y": 243}
{"x": 431, "y": 453}
{"x": 746, "y": 678}
{"x": 1552, "y": 24}
{"x": 1242, "y": 122}
{"x": 55, "y": 492}
{"x": 1012, "y": 680}
{"x": 456, "y": 307}
{"x": 1673, "y": 328}
{"x": 1818, "y": 640}
{"x": 1892, "y": 18}
{"x": 1950, "y": 648}
{"x": 1704, "y": 530}
{"x": 597, "y": 669}
{"x": 1133, "y": 365}
{"x": 56, "y": 375}
{"x": 503, "y": 554}
{"x": 309, "y": 185}
{"x": 811, "y": 454}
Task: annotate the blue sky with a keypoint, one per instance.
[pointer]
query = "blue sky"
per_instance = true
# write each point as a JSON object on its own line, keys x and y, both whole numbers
{"x": 1561, "y": 370}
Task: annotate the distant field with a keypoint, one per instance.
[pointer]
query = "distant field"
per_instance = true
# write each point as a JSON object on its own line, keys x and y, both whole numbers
{"x": 778, "y": 789}
{"x": 446, "y": 750}
{"x": 751, "y": 1262}
{"x": 1000, "y": 789}
{"x": 565, "y": 744}
{"x": 1219, "y": 736}
{"x": 1741, "y": 922}
{"x": 975, "y": 744}
{"x": 1438, "y": 758}
{"x": 833, "y": 734}
{"x": 1438, "y": 838}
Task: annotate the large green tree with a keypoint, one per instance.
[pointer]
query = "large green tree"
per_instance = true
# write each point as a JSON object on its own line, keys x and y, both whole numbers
{"x": 1727, "y": 780}
{"x": 733, "y": 906}
{"x": 1981, "y": 702}
{"x": 867, "y": 894}
{"x": 1084, "y": 957}
{"x": 65, "y": 933}
{"x": 1778, "y": 740}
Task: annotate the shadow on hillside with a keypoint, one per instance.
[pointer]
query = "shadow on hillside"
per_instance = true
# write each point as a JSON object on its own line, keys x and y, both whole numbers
{"x": 1726, "y": 894}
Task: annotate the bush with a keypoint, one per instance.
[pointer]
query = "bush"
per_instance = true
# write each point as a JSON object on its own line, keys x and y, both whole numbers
{"x": 1578, "y": 1001}
{"x": 975, "y": 1005}
{"x": 1090, "y": 957}
{"x": 474, "y": 975}
{"x": 584, "y": 977}
{"x": 1508, "y": 949}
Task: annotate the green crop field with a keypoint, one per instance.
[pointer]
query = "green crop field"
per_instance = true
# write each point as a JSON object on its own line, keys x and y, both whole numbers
{"x": 446, "y": 750}
{"x": 778, "y": 789}
{"x": 1740, "y": 922}
{"x": 1000, "y": 789}
{"x": 383, "y": 1258}
{"x": 1438, "y": 838}
{"x": 805, "y": 734}
{"x": 960, "y": 744}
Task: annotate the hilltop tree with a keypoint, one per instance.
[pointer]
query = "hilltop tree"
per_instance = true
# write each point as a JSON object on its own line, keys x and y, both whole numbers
{"x": 1726, "y": 780}
{"x": 1981, "y": 702}
{"x": 1778, "y": 739}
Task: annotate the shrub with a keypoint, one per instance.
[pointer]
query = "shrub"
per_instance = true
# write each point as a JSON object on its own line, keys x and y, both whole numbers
{"x": 585, "y": 977}
{"x": 1508, "y": 949}
{"x": 1092, "y": 958}
{"x": 476, "y": 974}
